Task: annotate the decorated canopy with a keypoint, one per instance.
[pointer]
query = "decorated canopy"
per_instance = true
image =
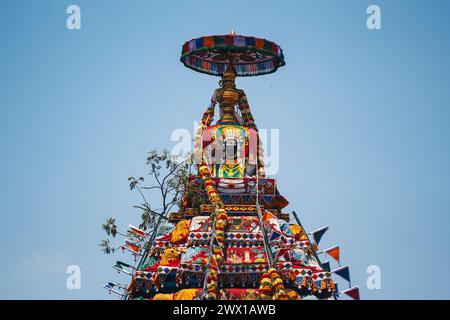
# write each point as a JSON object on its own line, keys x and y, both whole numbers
{"x": 250, "y": 56}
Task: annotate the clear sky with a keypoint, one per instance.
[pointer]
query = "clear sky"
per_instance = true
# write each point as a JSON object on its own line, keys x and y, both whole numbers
{"x": 363, "y": 118}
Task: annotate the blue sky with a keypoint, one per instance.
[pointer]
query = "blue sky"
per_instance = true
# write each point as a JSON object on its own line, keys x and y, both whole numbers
{"x": 363, "y": 118}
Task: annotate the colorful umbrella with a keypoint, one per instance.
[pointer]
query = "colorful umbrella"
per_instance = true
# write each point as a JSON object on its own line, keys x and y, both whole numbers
{"x": 250, "y": 56}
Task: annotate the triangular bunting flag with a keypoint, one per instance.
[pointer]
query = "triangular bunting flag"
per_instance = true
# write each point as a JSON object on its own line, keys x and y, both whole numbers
{"x": 352, "y": 293}
{"x": 334, "y": 253}
{"x": 326, "y": 266}
{"x": 317, "y": 234}
{"x": 275, "y": 235}
{"x": 268, "y": 216}
{"x": 343, "y": 272}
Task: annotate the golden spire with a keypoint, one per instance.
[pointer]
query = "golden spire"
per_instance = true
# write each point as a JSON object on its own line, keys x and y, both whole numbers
{"x": 230, "y": 73}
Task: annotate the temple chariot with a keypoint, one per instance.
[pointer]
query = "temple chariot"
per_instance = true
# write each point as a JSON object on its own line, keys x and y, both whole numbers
{"x": 237, "y": 244}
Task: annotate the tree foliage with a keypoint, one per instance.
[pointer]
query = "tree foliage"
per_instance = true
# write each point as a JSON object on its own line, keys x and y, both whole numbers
{"x": 169, "y": 179}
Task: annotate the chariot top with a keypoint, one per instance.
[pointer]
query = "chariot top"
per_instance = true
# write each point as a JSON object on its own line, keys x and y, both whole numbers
{"x": 250, "y": 56}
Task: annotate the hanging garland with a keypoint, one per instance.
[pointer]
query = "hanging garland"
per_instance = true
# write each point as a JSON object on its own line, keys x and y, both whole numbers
{"x": 271, "y": 286}
{"x": 218, "y": 214}
{"x": 219, "y": 218}
{"x": 207, "y": 118}
{"x": 249, "y": 121}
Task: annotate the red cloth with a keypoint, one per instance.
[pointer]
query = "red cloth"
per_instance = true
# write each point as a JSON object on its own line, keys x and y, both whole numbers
{"x": 251, "y": 255}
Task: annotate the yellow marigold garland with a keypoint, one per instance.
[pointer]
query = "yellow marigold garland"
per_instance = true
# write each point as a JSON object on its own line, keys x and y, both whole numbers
{"x": 219, "y": 215}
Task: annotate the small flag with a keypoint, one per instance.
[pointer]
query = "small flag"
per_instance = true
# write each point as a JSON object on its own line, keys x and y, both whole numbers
{"x": 352, "y": 293}
{"x": 132, "y": 245}
{"x": 123, "y": 264}
{"x": 111, "y": 288}
{"x": 130, "y": 241}
{"x": 120, "y": 268}
{"x": 326, "y": 266}
{"x": 343, "y": 272}
{"x": 137, "y": 231}
{"x": 275, "y": 235}
{"x": 111, "y": 285}
{"x": 317, "y": 234}
{"x": 135, "y": 254}
{"x": 108, "y": 286}
{"x": 334, "y": 253}
{"x": 268, "y": 217}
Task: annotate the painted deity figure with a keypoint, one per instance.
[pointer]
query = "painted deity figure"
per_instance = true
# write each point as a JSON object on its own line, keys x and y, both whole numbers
{"x": 232, "y": 145}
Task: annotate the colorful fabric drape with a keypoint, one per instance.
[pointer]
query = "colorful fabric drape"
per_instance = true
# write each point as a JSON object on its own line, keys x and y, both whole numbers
{"x": 200, "y": 224}
{"x": 163, "y": 296}
{"x": 180, "y": 233}
{"x": 298, "y": 232}
{"x": 240, "y": 294}
{"x": 195, "y": 255}
{"x": 151, "y": 265}
{"x": 188, "y": 294}
{"x": 323, "y": 282}
{"x": 171, "y": 257}
{"x": 251, "y": 255}
{"x": 184, "y": 294}
{"x": 243, "y": 224}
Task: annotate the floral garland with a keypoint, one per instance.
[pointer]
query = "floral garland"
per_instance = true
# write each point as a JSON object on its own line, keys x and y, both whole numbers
{"x": 271, "y": 286}
{"x": 265, "y": 287}
{"x": 277, "y": 285}
{"x": 207, "y": 118}
{"x": 219, "y": 215}
{"x": 249, "y": 121}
